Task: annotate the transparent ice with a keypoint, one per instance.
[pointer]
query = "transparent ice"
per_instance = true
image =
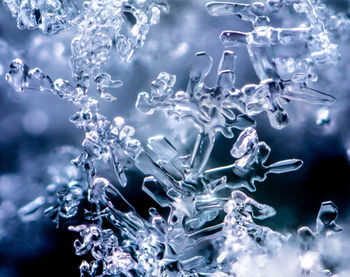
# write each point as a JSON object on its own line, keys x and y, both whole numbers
{"x": 211, "y": 226}
{"x": 101, "y": 26}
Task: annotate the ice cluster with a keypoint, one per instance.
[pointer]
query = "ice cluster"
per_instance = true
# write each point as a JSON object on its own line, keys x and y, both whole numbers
{"x": 101, "y": 26}
{"x": 211, "y": 226}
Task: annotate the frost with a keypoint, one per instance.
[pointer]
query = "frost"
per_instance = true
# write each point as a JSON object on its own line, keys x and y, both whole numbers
{"x": 312, "y": 245}
{"x": 104, "y": 247}
{"x": 104, "y": 140}
{"x": 102, "y": 26}
{"x": 281, "y": 79}
{"x": 211, "y": 226}
{"x": 65, "y": 186}
{"x": 106, "y": 25}
{"x": 51, "y": 16}
{"x": 197, "y": 197}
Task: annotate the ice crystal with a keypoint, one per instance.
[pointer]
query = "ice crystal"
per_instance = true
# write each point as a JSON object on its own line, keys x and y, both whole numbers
{"x": 104, "y": 247}
{"x": 65, "y": 186}
{"x": 51, "y": 17}
{"x": 104, "y": 140}
{"x": 312, "y": 245}
{"x": 101, "y": 26}
{"x": 210, "y": 227}
{"x": 281, "y": 79}
{"x": 122, "y": 25}
{"x": 249, "y": 165}
{"x": 196, "y": 196}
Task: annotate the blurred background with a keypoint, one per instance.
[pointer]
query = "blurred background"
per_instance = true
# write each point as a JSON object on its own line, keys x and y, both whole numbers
{"x": 33, "y": 124}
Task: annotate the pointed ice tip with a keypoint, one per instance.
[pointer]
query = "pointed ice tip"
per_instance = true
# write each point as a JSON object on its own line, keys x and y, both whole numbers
{"x": 337, "y": 228}
{"x": 201, "y": 53}
{"x": 201, "y": 66}
{"x": 233, "y": 38}
{"x": 228, "y": 53}
{"x": 224, "y": 36}
{"x": 285, "y": 166}
{"x": 204, "y": 57}
{"x": 329, "y": 203}
{"x": 298, "y": 164}
{"x": 305, "y": 234}
{"x": 332, "y": 99}
{"x": 315, "y": 97}
{"x": 211, "y": 7}
{"x": 295, "y": 164}
{"x": 326, "y": 99}
{"x": 225, "y": 8}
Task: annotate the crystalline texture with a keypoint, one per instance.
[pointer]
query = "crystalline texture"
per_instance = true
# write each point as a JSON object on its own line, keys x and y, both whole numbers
{"x": 98, "y": 24}
{"x": 126, "y": 22}
{"x": 209, "y": 229}
{"x": 274, "y": 91}
{"x": 51, "y": 16}
{"x": 17, "y": 75}
{"x": 249, "y": 167}
{"x": 312, "y": 243}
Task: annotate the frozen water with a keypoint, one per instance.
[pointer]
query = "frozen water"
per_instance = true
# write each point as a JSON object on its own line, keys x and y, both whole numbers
{"x": 211, "y": 226}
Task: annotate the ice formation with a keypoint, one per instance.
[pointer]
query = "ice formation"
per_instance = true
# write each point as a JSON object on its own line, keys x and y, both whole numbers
{"x": 101, "y": 26}
{"x": 210, "y": 226}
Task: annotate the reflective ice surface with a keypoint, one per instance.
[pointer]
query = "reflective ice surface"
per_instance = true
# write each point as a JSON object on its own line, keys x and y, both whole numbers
{"x": 198, "y": 216}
